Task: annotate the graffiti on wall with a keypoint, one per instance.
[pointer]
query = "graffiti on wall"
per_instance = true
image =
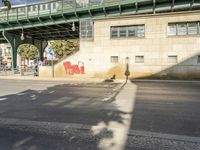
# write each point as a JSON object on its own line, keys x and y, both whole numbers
{"x": 74, "y": 68}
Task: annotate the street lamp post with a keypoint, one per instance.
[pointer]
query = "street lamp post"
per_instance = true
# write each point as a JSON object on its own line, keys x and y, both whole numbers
{"x": 127, "y": 72}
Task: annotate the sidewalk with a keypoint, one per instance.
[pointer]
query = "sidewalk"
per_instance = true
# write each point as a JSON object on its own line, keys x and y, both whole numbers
{"x": 71, "y": 78}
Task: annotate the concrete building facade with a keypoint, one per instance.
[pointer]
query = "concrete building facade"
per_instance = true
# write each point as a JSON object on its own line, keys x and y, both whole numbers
{"x": 156, "y": 45}
{"x": 5, "y": 54}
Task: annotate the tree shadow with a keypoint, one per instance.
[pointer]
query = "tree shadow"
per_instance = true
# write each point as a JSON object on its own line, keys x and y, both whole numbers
{"x": 78, "y": 104}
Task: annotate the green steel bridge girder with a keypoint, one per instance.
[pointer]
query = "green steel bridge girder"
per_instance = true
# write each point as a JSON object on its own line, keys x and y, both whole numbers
{"x": 105, "y": 10}
{"x": 15, "y": 42}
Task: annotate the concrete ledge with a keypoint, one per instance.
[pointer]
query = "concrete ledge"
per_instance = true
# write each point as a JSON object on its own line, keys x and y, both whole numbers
{"x": 78, "y": 79}
{"x": 171, "y": 81}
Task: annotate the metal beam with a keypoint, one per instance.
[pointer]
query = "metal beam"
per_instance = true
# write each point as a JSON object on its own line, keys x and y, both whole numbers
{"x": 191, "y": 4}
{"x": 154, "y": 6}
{"x": 172, "y": 6}
{"x": 136, "y": 6}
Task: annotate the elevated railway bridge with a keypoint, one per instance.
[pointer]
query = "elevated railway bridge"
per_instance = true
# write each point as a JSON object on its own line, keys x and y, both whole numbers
{"x": 52, "y": 20}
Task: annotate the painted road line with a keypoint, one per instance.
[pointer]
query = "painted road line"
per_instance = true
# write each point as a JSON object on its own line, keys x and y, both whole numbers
{"x": 3, "y": 99}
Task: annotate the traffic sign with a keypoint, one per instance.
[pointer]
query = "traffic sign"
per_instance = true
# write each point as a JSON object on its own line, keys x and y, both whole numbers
{"x": 51, "y": 52}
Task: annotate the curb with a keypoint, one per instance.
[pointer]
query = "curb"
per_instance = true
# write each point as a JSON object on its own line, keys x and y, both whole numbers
{"x": 168, "y": 81}
{"x": 116, "y": 92}
{"x": 164, "y": 136}
{"x": 60, "y": 129}
{"x": 58, "y": 79}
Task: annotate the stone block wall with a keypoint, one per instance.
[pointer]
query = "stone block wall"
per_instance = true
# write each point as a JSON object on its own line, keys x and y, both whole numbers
{"x": 156, "y": 46}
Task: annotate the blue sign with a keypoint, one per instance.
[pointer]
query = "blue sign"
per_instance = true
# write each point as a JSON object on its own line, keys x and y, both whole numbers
{"x": 51, "y": 52}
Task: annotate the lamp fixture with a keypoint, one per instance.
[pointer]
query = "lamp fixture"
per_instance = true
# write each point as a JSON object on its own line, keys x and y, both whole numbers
{"x": 73, "y": 27}
{"x": 22, "y": 35}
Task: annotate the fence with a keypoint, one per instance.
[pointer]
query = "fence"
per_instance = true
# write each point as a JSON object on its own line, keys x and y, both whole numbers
{"x": 7, "y": 70}
{"x": 49, "y": 7}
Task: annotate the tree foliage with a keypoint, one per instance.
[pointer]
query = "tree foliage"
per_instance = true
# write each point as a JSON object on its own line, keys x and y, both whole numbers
{"x": 6, "y": 3}
{"x": 64, "y": 47}
{"x": 28, "y": 51}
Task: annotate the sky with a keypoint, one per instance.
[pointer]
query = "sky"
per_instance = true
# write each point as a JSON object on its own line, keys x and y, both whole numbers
{"x": 18, "y": 2}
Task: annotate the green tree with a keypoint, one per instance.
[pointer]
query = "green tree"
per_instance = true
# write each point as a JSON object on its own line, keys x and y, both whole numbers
{"x": 28, "y": 51}
{"x": 65, "y": 47}
{"x": 6, "y": 3}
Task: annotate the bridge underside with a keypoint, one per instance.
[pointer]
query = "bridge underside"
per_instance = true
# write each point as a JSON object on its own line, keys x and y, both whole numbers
{"x": 38, "y": 36}
{"x": 51, "y": 32}
{"x": 40, "y": 26}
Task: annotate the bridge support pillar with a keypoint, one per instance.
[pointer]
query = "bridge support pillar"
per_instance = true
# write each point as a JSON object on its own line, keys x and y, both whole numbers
{"x": 14, "y": 41}
{"x": 41, "y": 45}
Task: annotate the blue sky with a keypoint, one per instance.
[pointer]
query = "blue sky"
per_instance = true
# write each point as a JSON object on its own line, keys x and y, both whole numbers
{"x": 17, "y": 2}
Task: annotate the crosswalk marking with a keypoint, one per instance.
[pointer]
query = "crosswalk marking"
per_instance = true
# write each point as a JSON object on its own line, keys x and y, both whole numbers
{"x": 58, "y": 101}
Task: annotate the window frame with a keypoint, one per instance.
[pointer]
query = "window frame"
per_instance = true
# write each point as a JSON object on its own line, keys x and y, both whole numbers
{"x": 198, "y": 59}
{"x": 170, "y": 62}
{"x": 139, "y": 62}
{"x": 114, "y": 59}
{"x": 84, "y": 32}
{"x": 187, "y": 29}
{"x": 127, "y": 31}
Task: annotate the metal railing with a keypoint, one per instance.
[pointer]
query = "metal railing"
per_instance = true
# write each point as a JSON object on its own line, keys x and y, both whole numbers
{"x": 7, "y": 70}
{"x": 55, "y": 6}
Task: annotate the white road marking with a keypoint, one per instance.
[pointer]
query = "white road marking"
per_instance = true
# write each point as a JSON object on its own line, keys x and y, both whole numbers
{"x": 3, "y": 99}
{"x": 58, "y": 101}
{"x": 21, "y": 142}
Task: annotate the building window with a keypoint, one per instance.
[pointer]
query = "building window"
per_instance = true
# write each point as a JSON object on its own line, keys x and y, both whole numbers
{"x": 122, "y": 32}
{"x": 187, "y": 28}
{"x": 114, "y": 32}
{"x": 132, "y": 31}
{"x": 172, "y": 59}
{"x": 127, "y": 31}
{"x": 182, "y": 29}
{"x": 198, "y": 59}
{"x": 114, "y": 59}
{"x": 86, "y": 29}
{"x": 172, "y": 29}
{"x": 140, "y": 31}
{"x": 192, "y": 28}
{"x": 139, "y": 59}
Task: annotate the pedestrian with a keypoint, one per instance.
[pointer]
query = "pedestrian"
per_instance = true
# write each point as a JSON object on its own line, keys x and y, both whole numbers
{"x": 36, "y": 69}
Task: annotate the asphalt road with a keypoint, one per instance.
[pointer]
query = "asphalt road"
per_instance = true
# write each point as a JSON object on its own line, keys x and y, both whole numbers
{"x": 43, "y": 103}
{"x": 36, "y": 115}
{"x": 74, "y": 102}
{"x": 167, "y": 107}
